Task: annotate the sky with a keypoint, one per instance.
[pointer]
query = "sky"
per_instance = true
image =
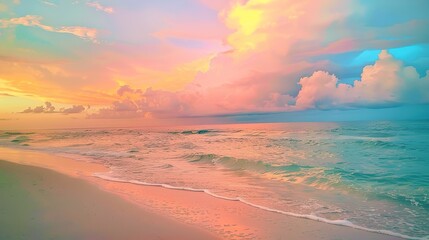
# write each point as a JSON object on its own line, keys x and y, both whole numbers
{"x": 82, "y": 63}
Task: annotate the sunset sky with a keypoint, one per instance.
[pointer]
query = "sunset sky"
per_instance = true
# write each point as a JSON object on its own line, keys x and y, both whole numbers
{"x": 77, "y": 63}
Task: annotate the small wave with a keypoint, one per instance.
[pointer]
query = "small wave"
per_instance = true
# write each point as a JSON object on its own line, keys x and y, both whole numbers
{"x": 237, "y": 164}
{"x": 133, "y": 150}
{"x": 363, "y": 182}
{"x": 166, "y": 166}
{"x": 243, "y": 164}
{"x": 76, "y": 134}
{"x": 340, "y": 222}
{"x": 16, "y": 133}
{"x": 316, "y": 177}
{"x": 189, "y": 132}
{"x": 80, "y": 145}
{"x": 95, "y": 154}
{"x": 21, "y": 139}
{"x": 376, "y": 143}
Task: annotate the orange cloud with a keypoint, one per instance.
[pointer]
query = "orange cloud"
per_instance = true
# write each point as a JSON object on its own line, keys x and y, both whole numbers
{"x": 100, "y": 7}
{"x": 35, "y": 21}
{"x": 82, "y": 32}
{"x": 49, "y": 108}
{"x": 134, "y": 103}
{"x": 40, "y": 79}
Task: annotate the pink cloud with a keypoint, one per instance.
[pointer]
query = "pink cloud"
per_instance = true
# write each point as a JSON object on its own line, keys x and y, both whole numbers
{"x": 47, "y": 108}
{"x": 386, "y": 82}
{"x": 134, "y": 103}
{"x": 73, "y": 109}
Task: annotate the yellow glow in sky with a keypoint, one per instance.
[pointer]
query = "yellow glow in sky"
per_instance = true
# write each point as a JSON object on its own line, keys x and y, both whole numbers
{"x": 172, "y": 80}
{"x": 246, "y": 19}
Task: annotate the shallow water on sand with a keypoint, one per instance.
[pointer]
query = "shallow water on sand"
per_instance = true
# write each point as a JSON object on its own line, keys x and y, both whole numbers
{"x": 371, "y": 175}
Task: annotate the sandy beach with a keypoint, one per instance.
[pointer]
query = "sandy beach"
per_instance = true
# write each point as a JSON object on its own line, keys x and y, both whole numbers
{"x": 55, "y": 197}
{"x": 38, "y": 203}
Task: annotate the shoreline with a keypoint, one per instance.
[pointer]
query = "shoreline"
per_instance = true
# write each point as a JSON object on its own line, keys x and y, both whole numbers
{"x": 226, "y": 219}
{"x": 39, "y": 203}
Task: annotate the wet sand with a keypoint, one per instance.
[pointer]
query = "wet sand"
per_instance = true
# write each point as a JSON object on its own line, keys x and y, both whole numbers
{"x": 37, "y": 203}
{"x": 155, "y": 210}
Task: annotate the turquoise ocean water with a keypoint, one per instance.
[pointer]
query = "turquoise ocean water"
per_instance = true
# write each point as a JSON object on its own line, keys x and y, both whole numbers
{"x": 368, "y": 175}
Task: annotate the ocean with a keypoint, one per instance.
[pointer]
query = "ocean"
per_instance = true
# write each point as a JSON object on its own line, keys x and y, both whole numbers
{"x": 368, "y": 175}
